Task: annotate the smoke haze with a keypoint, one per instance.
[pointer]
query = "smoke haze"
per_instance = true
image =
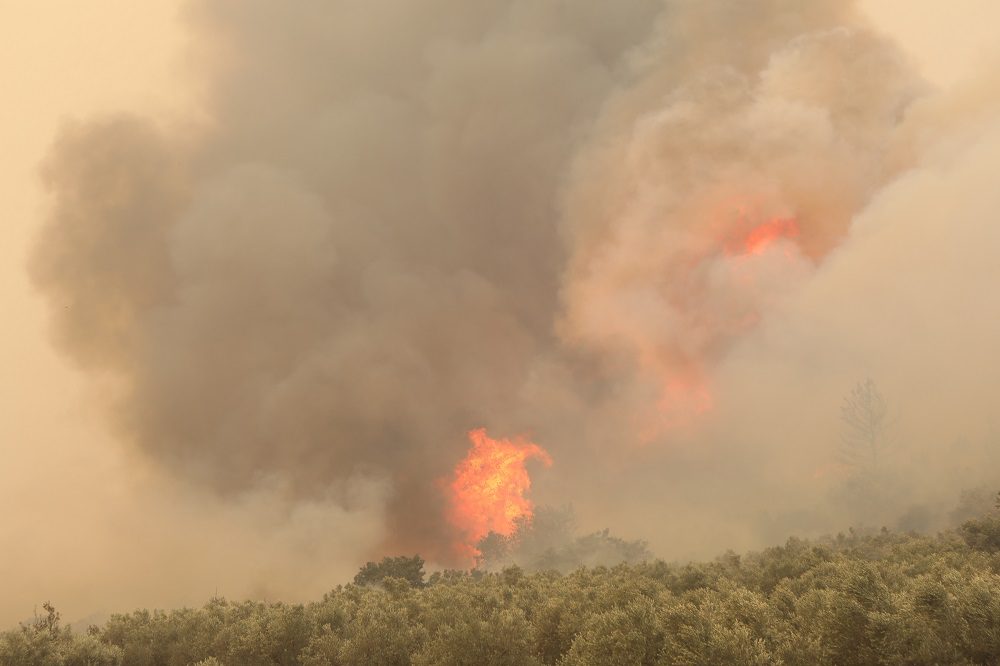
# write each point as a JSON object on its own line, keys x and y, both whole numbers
{"x": 664, "y": 239}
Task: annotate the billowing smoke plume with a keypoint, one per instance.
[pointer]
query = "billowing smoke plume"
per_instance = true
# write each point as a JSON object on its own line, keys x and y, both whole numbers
{"x": 664, "y": 238}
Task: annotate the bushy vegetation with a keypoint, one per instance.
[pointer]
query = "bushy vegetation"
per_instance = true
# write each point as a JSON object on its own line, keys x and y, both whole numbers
{"x": 410, "y": 569}
{"x": 44, "y": 641}
{"x": 878, "y": 598}
{"x": 549, "y": 541}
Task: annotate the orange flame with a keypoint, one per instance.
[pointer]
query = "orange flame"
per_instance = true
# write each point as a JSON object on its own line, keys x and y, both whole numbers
{"x": 764, "y": 235}
{"x": 488, "y": 489}
{"x": 681, "y": 400}
{"x": 684, "y": 369}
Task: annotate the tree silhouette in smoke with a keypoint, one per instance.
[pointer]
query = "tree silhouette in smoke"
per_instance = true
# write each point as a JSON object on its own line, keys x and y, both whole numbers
{"x": 864, "y": 416}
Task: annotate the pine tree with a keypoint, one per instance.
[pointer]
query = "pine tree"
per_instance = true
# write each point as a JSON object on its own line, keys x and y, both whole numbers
{"x": 864, "y": 416}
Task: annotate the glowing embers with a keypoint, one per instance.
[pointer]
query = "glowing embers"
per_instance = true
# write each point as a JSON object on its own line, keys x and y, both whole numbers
{"x": 488, "y": 488}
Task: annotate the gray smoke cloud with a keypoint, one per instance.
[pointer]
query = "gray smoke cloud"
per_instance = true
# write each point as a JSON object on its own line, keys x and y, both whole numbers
{"x": 398, "y": 222}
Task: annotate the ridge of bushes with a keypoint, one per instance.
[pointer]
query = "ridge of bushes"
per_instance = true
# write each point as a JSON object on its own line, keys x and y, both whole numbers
{"x": 858, "y": 598}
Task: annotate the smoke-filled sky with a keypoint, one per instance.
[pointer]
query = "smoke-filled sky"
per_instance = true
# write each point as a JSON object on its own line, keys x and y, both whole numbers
{"x": 266, "y": 264}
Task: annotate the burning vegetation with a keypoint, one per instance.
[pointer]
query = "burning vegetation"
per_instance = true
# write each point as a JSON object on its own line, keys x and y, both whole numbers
{"x": 489, "y": 490}
{"x": 664, "y": 238}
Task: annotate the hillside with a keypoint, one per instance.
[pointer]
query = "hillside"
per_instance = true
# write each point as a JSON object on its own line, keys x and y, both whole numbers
{"x": 881, "y": 597}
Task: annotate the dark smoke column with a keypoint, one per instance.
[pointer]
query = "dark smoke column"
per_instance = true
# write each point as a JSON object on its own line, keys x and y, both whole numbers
{"x": 352, "y": 261}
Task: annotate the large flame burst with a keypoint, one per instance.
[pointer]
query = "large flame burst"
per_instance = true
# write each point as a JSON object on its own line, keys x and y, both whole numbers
{"x": 488, "y": 489}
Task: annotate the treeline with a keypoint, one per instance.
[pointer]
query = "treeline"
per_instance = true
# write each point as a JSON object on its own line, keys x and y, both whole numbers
{"x": 878, "y": 598}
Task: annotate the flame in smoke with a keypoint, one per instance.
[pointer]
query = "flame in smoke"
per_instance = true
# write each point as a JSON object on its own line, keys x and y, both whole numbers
{"x": 681, "y": 399}
{"x": 763, "y": 236}
{"x": 488, "y": 489}
{"x": 721, "y": 308}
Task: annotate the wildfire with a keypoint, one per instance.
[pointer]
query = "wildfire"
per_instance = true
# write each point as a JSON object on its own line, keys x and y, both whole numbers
{"x": 488, "y": 489}
{"x": 723, "y": 286}
{"x": 763, "y": 236}
{"x": 681, "y": 400}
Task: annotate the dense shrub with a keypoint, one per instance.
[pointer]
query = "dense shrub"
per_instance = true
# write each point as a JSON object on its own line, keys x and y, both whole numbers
{"x": 858, "y": 598}
{"x": 410, "y": 569}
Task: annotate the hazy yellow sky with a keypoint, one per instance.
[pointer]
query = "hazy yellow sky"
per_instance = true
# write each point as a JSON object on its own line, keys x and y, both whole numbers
{"x": 59, "y": 60}
{"x": 65, "y": 59}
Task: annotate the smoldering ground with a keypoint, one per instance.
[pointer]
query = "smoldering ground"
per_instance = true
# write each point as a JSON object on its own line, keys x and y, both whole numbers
{"x": 395, "y": 223}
